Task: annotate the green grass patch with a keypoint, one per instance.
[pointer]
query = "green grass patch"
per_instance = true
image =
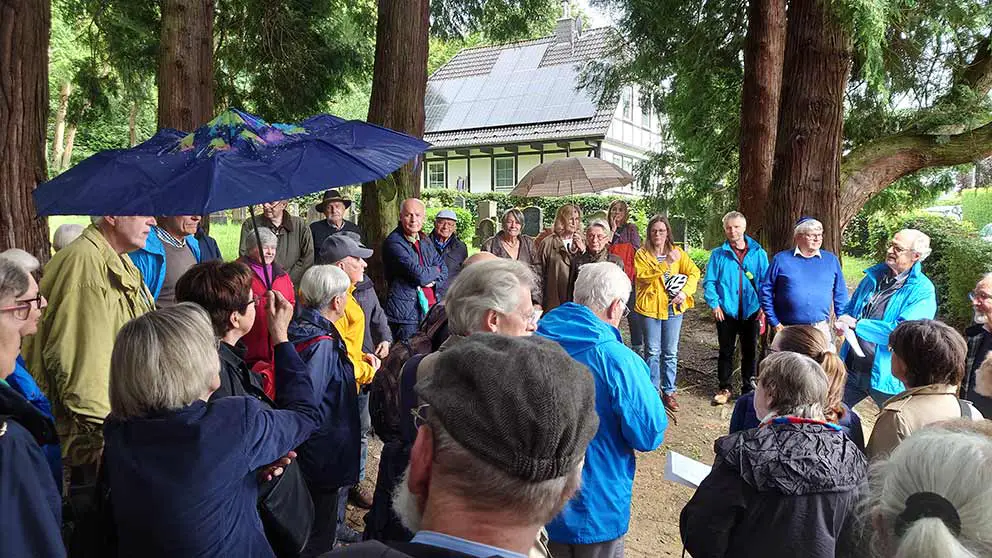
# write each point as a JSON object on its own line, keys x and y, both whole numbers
{"x": 228, "y": 236}
{"x": 854, "y": 268}
{"x": 977, "y": 206}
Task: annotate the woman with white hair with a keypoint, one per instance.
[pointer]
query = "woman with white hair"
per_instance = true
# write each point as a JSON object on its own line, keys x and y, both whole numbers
{"x": 787, "y": 488}
{"x": 182, "y": 472}
{"x": 261, "y": 259}
{"x": 330, "y": 457}
{"x": 930, "y": 498}
{"x": 65, "y": 234}
{"x": 598, "y": 235}
{"x": 29, "y": 496}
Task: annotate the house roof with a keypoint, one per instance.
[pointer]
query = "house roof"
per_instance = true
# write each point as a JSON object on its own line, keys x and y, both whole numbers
{"x": 519, "y": 92}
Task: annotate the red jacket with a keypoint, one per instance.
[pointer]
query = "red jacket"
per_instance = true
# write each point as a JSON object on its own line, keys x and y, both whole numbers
{"x": 260, "y": 352}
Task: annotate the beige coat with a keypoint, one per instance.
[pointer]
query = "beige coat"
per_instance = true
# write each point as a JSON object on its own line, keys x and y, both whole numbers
{"x": 555, "y": 265}
{"x": 910, "y": 411}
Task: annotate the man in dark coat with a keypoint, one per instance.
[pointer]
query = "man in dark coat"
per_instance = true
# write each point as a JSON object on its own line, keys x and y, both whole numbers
{"x": 445, "y": 238}
{"x": 333, "y": 206}
{"x": 979, "y": 336}
{"x": 414, "y": 269}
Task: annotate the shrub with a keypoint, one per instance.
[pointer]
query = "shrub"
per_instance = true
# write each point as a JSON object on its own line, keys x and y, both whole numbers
{"x": 466, "y": 225}
{"x": 977, "y": 206}
{"x": 958, "y": 260}
{"x": 700, "y": 257}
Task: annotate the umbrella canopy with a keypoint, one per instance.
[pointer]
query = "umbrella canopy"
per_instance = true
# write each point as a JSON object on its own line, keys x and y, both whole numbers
{"x": 574, "y": 175}
{"x": 235, "y": 160}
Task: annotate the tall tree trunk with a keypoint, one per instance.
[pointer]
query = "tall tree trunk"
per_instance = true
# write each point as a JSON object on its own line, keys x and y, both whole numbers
{"x": 59, "y": 135}
{"x": 70, "y": 140}
{"x": 806, "y": 180}
{"x": 764, "y": 58}
{"x": 24, "y": 29}
{"x": 186, "y": 64}
{"x": 399, "y": 83}
{"x": 132, "y": 124}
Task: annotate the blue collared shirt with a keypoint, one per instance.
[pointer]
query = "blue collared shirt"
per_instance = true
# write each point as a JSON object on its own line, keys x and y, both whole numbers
{"x": 471, "y": 548}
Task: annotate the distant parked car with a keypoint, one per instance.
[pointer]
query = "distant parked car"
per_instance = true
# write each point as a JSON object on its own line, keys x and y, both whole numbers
{"x": 950, "y": 211}
{"x": 986, "y": 232}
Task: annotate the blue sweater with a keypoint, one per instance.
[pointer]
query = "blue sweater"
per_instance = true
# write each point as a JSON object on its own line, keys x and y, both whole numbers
{"x": 800, "y": 290}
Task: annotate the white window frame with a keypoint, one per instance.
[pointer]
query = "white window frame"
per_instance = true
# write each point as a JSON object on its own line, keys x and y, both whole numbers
{"x": 496, "y": 176}
{"x": 627, "y": 102}
{"x": 431, "y": 174}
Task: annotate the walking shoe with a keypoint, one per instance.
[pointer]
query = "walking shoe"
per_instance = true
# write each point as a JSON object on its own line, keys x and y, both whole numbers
{"x": 360, "y": 496}
{"x": 670, "y": 403}
{"x": 721, "y": 397}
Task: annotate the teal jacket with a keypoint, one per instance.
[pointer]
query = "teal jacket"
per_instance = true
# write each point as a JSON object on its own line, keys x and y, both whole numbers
{"x": 150, "y": 260}
{"x": 916, "y": 300}
{"x": 725, "y": 280}
{"x": 631, "y": 418}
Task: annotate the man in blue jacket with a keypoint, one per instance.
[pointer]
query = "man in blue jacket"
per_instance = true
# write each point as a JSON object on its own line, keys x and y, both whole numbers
{"x": 414, "y": 269}
{"x": 891, "y": 292}
{"x": 171, "y": 249}
{"x": 731, "y": 290}
{"x": 631, "y": 416}
{"x": 804, "y": 285}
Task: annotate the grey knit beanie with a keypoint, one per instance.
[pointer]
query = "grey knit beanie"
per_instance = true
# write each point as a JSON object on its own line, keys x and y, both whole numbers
{"x": 519, "y": 403}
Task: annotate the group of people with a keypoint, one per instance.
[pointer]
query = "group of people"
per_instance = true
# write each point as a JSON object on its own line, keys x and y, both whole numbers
{"x": 211, "y": 408}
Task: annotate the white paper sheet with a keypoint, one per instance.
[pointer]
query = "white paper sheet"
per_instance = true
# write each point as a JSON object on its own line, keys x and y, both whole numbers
{"x": 685, "y": 470}
{"x": 852, "y": 341}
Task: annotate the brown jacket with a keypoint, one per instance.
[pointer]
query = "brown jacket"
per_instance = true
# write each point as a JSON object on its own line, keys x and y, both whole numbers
{"x": 910, "y": 411}
{"x": 555, "y": 268}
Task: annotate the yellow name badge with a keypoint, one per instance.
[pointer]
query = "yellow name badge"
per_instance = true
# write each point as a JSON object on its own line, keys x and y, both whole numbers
{"x": 749, "y": 275}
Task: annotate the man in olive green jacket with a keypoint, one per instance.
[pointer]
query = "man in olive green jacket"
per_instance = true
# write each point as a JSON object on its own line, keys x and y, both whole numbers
{"x": 93, "y": 289}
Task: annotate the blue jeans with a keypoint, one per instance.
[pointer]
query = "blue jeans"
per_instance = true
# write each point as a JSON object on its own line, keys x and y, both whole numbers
{"x": 858, "y": 386}
{"x": 366, "y": 421}
{"x": 661, "y": 339}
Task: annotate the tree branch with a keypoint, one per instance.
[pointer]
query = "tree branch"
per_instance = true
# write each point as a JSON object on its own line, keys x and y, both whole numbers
{"x": 868, "y": 169}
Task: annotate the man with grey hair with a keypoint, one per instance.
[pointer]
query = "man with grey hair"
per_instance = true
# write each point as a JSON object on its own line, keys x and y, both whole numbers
{"x": 979, "y": 337}
{"x": 499, "y": 447}
{"x": 329, "y": 458}
{"x": 598, "y": 235}
{"x": 414, "y": 269}
{"x": 805, "y": 285}
{"x": 489, "y": 296}
{"x": 93, "y": 289}
{"x": 631, "y": 416}
{"x": 891, "y": 292}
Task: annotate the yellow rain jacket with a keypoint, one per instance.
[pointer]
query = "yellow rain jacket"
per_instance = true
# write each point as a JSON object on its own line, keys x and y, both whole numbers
{"x": 352, "y": 328}
{"x": 652, "y": 300}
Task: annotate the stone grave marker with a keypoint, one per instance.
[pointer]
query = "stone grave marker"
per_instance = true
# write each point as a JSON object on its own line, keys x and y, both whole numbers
{"x": 533, "y": 220}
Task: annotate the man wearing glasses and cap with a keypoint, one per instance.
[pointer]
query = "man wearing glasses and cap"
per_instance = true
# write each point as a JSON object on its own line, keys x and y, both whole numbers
{"x": 333, "y": 206}
{"x": 451, "y": 248}
{"x": 804, "y": 285}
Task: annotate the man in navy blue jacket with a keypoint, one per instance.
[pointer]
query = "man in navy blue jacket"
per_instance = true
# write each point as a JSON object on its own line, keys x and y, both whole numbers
{"x": 805, "y": 284}
{"x": 414, "y": 269}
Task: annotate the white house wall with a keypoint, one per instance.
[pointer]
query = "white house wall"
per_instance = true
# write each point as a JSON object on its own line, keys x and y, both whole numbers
{"x": 482, "y": 175}
{"x": 526, "y": 162}
{"x": 457, "y": 168}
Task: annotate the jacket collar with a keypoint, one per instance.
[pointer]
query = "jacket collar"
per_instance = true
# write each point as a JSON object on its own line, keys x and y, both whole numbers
{"x": 287, "y": 222}
{"x": 876, "y": 271}
{"x": 931, "y": 389}
{"x": 15, "y": 405}
{"x": 749, "y": 242}
{"x": 119, "y": 265}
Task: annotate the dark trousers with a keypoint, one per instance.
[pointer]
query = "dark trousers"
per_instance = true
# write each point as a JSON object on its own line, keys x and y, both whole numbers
{"x": 381, "y": 523}
{"x": 327, "y": 507}
{"x": 728, "y": 331}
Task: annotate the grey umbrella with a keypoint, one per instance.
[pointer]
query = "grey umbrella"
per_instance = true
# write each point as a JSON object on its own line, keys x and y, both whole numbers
{"x": 574, "y": 175}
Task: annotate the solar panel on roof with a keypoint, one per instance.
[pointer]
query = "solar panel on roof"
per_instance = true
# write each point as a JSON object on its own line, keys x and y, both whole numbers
{"x": 515, "y": 91}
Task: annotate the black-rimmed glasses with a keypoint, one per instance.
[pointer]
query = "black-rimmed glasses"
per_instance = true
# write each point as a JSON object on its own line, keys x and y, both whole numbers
{"x": 22, "y": 308}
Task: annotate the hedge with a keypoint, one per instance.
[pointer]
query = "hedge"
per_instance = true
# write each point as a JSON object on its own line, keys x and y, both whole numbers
{"x": 958, "y": 259}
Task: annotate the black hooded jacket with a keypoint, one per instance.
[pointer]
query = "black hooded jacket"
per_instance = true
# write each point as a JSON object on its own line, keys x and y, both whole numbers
{"x": 779, "y": 490}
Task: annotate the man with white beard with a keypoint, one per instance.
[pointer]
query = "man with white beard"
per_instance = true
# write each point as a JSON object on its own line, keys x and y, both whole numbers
{"x": 502, "y": 433}
{"x": 979, "y": 338}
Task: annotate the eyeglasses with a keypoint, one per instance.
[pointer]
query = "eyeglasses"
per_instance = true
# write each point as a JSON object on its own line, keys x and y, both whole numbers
{"x": 23, "y": 307}
{"x": 255, "y": 299}
{"x": 597, "y": 237}
{"x": 626, "y": 312}
{"x": 979, "y": 296}
{"x": 813, "y": 235}
{"x": 896, "y": 249}
{"x": 418, "y": 415}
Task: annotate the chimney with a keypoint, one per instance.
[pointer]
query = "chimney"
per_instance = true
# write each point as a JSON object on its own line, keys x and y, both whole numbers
{"x": 565, "y": 29}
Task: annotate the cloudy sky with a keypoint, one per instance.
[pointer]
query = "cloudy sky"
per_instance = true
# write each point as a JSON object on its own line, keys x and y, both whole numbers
{"x": 598, "y": 17}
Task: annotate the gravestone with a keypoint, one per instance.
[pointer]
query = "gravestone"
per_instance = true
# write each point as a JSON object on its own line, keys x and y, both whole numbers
{"x": 533, "y": 220}
{"x": 459, "y": 202}
{"x": 484, "y": 231}
{"x": 239, "y": 214}
{"x": 487, "y": 210}
{"x": 218, "y": 218}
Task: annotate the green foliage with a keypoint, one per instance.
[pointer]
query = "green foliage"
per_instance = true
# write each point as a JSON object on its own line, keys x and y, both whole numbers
{"x": 977, "y": 206}
{"x": 465, "y": 229}
{"x": 502, "y": 21}
{"x": 700, "y": 257}
{"x": 958, "y": 259}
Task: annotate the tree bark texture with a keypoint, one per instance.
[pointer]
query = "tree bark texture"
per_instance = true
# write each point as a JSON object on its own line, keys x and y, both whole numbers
{"x": 399, "y": 83}
{"x": 186, "y": 64}
{"x": 59, "y": 136}
{"x": 25, "y": 26}
{"x": 132, "y": 124}
{"x": 70, "y": 141}
{"x": 806, "y": 179}
{"x": 764, "y": 58}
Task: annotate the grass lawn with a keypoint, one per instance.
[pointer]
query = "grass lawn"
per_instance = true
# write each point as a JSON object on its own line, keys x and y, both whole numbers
{"x": 227, "y": 236}
{"x": 853, "y": 269}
